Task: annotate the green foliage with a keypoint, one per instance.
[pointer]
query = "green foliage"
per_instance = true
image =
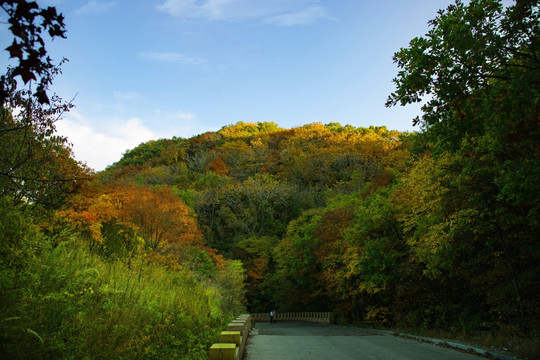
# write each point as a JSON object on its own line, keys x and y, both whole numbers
{"x": 210, "y": 181}
{"x": 255, "y": 247}
{"x": 144, "y": 152}
{"x": 62, "y": 300}
{"x": 297, "y": 265}
{"x": 256, "y": 256}
{"x": 119, "y": 241}
{"x": 377, "y": 236}
{"x": 470, "y": 212}
{"x": 470, "y": 49}
{"x": 480, "y": 65}
{"x": 258, "y": 206}
{"x": 187, "y": 196}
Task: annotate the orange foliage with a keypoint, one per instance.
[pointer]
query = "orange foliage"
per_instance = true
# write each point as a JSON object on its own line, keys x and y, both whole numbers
{"x": 159, "y": 216}
{"x": 333, "y": 222}
{"x": 218, "y": 167}
{"x": 206, "y": 138}
{"x": 259, "y": 268}
{"x": 219, "y": 261}
{"x": 329, "y": 252}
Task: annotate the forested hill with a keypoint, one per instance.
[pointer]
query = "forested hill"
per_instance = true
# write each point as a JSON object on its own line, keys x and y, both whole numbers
{"x": 379, "y": 226}
{"x": 252, "y": 180}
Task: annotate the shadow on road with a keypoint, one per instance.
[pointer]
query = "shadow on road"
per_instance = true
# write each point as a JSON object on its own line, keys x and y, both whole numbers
{"x": 299, "y": 340}
{"x": 306, "y": 328}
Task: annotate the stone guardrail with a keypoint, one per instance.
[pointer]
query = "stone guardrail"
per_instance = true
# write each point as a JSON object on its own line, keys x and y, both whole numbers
{"x": 232, "y": 341}
{"x": 322, "y": 317}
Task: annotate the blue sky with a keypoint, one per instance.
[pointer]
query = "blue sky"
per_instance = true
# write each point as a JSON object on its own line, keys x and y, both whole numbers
{"x": 152, "y": 69}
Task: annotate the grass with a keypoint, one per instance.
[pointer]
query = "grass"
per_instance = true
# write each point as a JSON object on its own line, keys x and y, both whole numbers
{"x": 60, "y": 300}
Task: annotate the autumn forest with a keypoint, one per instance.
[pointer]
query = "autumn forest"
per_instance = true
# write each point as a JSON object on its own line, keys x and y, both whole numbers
{"x": 433, "y": 232}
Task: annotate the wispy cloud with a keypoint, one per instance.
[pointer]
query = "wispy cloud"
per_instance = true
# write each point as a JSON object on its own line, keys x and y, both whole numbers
{"x": 306, "y": 16}
{"x": 179, "y": 115}
{"x": 276, "y": 12}
{"x": 129, "y": 95}
{"x": 173, "y": 57}
{"x": 95, "y": 7}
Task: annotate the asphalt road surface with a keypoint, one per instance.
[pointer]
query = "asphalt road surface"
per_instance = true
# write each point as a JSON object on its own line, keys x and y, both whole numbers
{"x": 295, "y": 340}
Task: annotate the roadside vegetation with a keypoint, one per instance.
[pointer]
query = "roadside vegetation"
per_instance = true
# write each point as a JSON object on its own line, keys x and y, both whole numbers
{"x": 63, "y": 299}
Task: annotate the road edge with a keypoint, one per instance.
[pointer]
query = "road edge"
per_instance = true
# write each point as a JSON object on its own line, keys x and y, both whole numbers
{"x": 457, "y": 346}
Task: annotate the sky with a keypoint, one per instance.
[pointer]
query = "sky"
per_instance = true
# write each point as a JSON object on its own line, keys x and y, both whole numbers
{"x": 142, "y": 70}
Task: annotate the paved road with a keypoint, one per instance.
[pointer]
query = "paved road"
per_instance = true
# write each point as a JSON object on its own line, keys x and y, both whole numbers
{"x": 297, "y": 340}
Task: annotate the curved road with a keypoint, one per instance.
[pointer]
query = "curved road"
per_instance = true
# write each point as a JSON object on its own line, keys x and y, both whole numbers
{"x": 295, "y": 340}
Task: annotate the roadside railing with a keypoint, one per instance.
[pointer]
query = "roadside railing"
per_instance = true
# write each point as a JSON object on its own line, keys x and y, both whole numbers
{"x": 233, "y": 340}
{"x": 321, "y": 317}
